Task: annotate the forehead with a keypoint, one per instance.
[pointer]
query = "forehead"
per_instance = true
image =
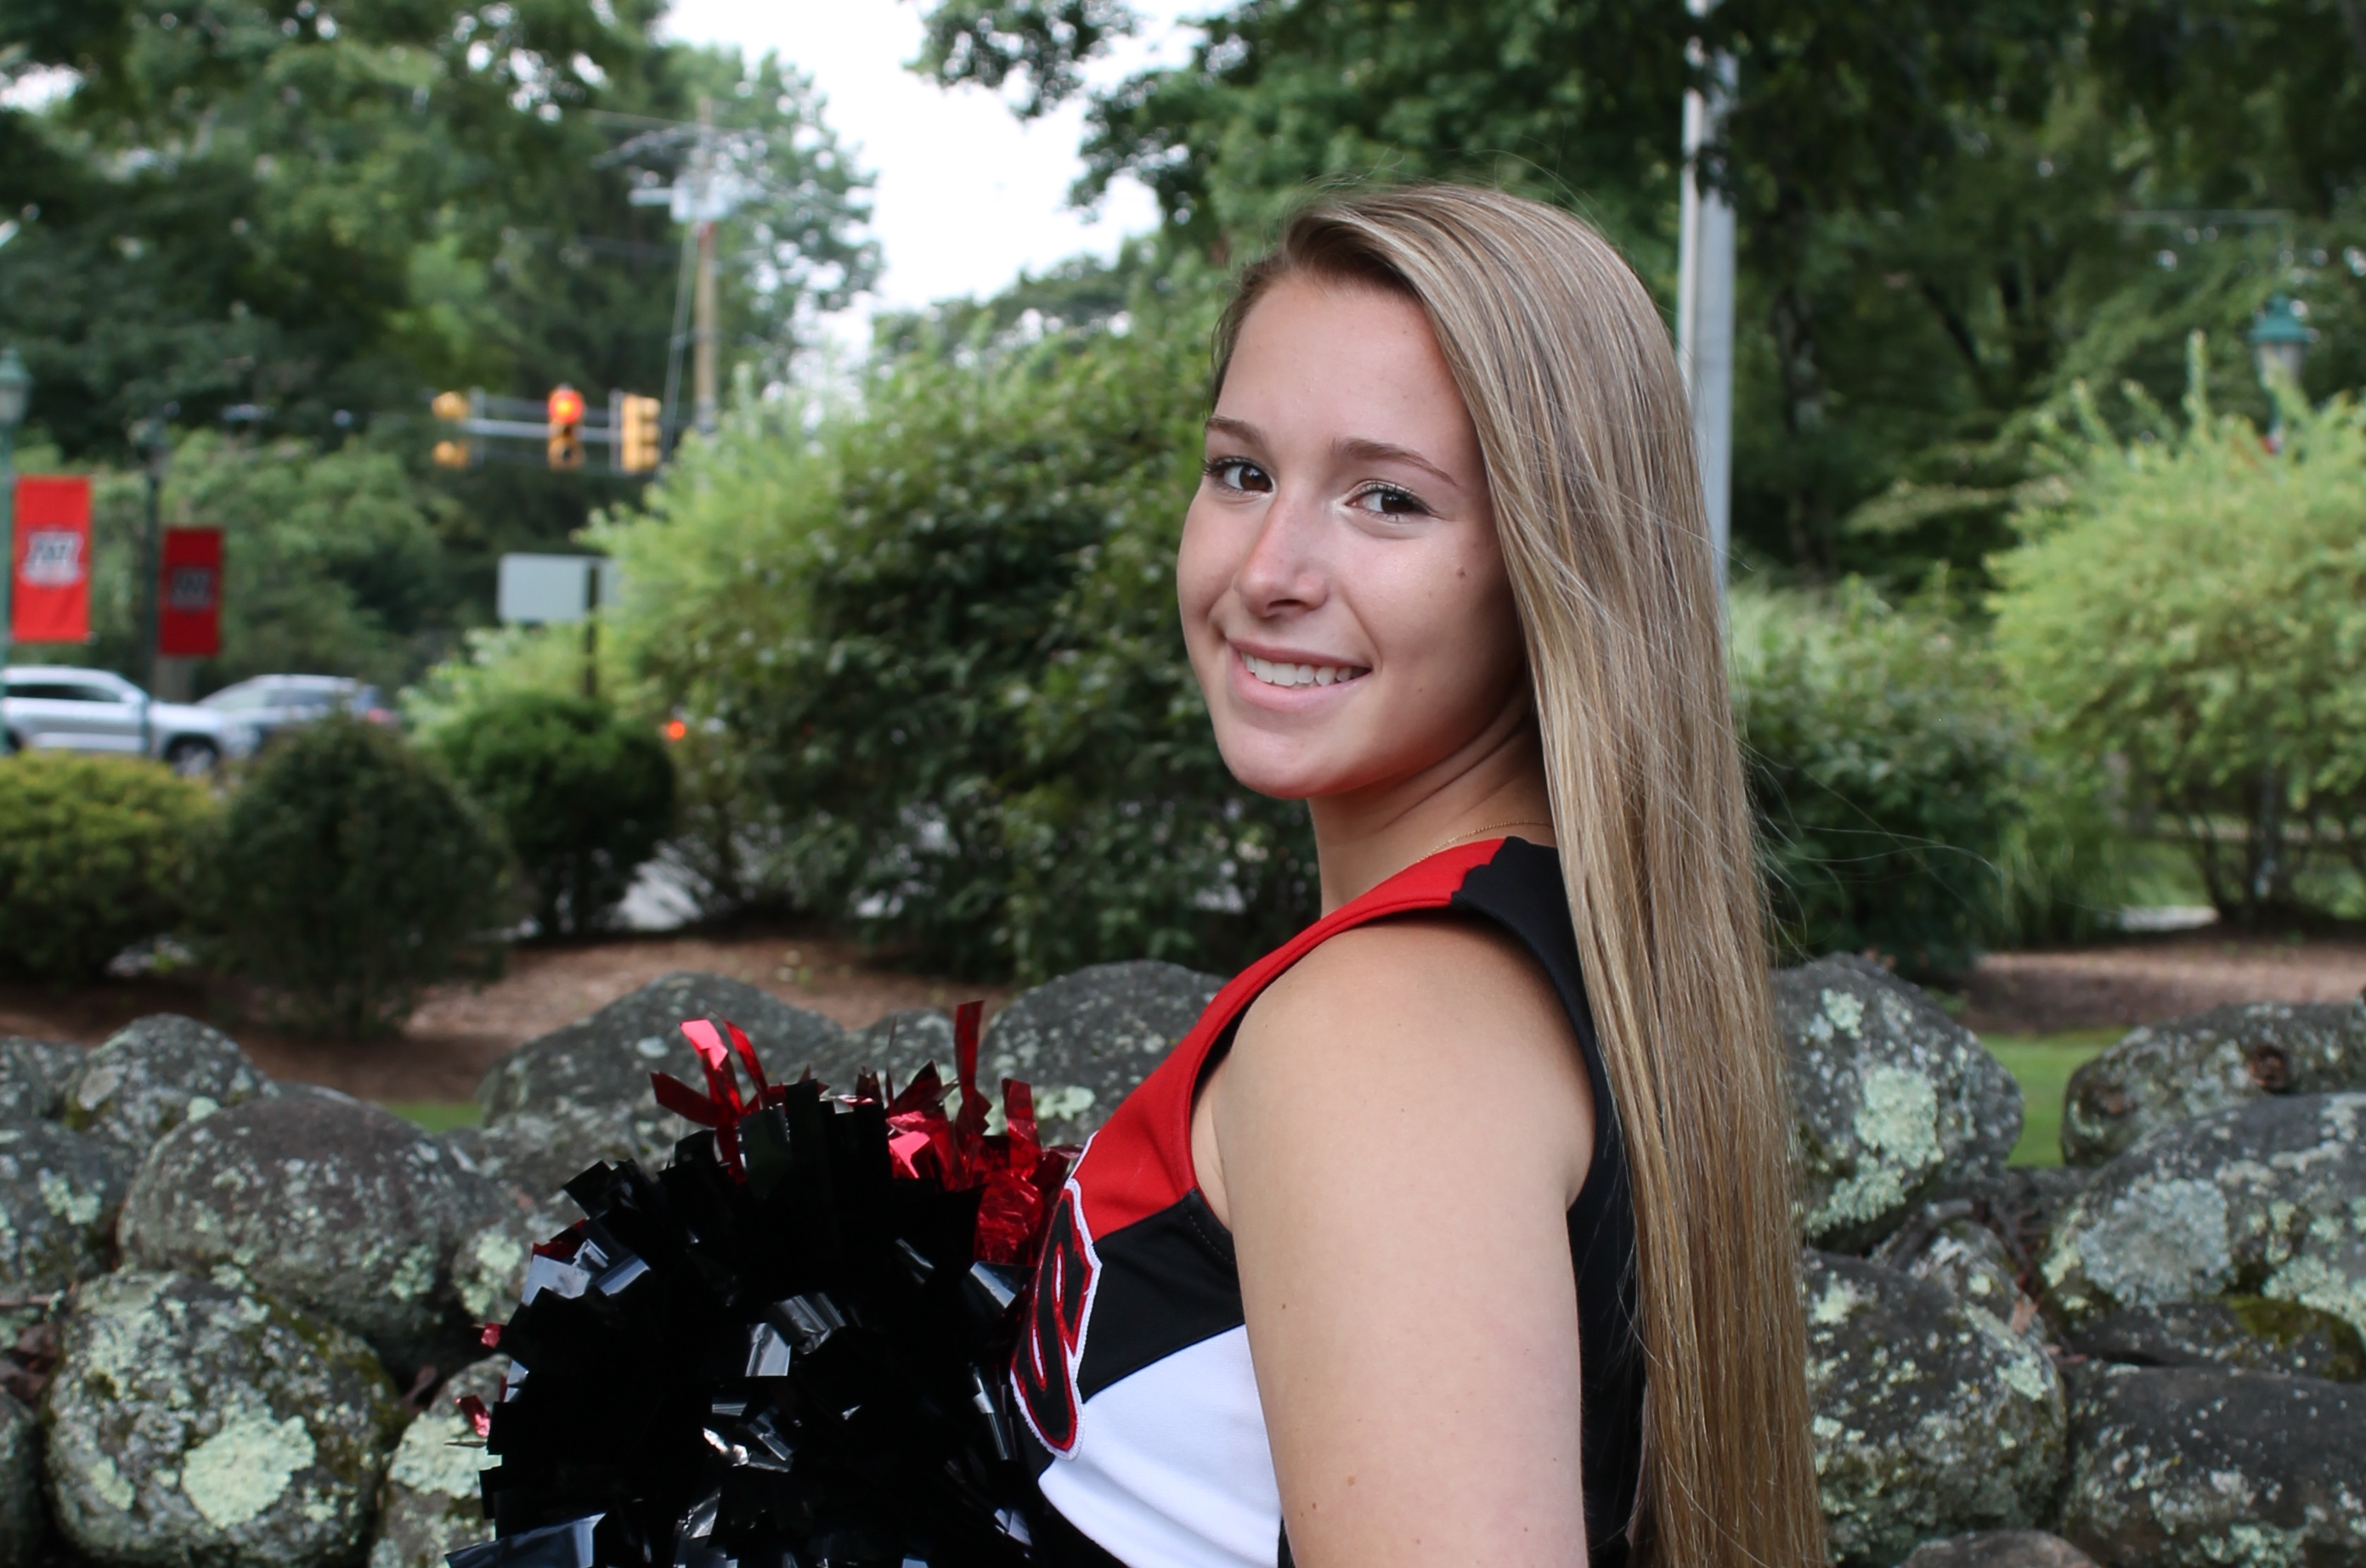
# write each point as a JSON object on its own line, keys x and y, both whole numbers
{"x": 1346, "y": 354}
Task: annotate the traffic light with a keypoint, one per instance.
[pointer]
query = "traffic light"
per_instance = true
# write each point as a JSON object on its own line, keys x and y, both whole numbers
{"x": 565, "y": 410}
{"x": 452, "y": 408}
{"x": 636, "y": 450}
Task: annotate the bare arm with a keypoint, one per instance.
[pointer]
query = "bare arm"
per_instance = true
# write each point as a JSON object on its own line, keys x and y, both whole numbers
{"x": 1395, "y": 1140}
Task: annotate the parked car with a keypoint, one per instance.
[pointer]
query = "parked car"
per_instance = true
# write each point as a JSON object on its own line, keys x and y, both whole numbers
{"x": 60, "y": 707}
{"x": 272, "y": 703}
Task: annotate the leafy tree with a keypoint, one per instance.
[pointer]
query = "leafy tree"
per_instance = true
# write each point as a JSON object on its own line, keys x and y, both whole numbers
{"x": 2191, "y": 603}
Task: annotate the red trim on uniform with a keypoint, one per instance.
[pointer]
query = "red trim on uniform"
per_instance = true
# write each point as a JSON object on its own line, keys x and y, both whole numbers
{"x": 1140, "y": 1162}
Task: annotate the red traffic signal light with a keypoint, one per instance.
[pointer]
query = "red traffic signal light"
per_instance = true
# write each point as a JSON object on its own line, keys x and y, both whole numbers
{"x": 566, "y": 408}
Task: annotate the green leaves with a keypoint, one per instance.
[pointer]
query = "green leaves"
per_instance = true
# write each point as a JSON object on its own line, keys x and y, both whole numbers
{"x": 2195, "y": 607}
{"x": 95, "y": 854}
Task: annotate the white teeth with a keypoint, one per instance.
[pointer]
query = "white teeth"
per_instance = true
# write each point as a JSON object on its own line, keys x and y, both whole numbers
{"x": 1277, "y": 674}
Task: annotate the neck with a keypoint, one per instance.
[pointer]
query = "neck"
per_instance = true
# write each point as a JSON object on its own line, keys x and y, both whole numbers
{"x": 1493, "y": 787}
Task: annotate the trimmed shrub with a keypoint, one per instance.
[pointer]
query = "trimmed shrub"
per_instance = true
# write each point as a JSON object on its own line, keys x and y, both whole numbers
{"x": 95, "y": 854}
{"x": 2193, "y": 605}
{"x": 585, "y": 796}
{"x": 347, "y": 874}
{"x": 1902, "y": 808}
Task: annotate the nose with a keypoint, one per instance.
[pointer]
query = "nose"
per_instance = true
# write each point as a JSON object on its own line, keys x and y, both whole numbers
{"x": 1283, "y": 573}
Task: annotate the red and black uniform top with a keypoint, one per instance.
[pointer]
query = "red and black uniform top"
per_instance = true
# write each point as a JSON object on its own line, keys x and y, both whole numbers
{"x": 1134, "y": 1373}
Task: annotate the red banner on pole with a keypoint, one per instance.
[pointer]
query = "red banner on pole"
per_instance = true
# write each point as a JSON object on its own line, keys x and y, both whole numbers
{"x": 50, "y": 601}
{"x": 190, "y": 623}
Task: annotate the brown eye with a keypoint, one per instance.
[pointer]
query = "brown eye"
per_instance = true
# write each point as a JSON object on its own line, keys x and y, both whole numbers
{"x": 1239, "y": 473}
{"x": 1389, "y": 501}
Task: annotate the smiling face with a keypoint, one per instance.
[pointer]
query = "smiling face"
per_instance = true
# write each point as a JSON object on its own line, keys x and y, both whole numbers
{"x": 1343, "y": 595}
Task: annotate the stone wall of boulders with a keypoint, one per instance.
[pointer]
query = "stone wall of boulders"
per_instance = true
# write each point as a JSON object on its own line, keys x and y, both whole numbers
{"x": 235, "y": 1315}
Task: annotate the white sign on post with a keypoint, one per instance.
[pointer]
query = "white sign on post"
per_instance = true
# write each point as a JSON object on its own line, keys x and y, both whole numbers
{"x": 544, "y": 589}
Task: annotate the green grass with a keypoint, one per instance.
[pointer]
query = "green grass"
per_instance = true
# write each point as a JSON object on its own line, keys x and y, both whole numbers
{"x": 439, "y": 1115}
{"x": 2041, "y": 1065}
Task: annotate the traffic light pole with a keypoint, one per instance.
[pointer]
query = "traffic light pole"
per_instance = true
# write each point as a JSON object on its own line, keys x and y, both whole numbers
{"x": 703, "y": 370}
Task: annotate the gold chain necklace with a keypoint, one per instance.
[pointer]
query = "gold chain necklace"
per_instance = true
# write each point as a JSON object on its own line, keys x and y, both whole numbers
{"x": 1481, "y": 832}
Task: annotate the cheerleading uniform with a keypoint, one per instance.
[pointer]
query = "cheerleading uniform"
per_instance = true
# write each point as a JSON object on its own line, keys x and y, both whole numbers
{"x": 1132, "y": 1375}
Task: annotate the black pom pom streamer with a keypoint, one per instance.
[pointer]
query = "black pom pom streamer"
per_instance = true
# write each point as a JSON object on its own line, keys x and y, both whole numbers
{"x": 785, "y": 1349}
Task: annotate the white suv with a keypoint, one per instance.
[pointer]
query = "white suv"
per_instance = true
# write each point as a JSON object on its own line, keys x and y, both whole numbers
{"x": 59, "y": 707}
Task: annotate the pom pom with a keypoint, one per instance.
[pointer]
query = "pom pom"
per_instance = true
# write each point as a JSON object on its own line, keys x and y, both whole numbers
{"x": 787, "y": 1348}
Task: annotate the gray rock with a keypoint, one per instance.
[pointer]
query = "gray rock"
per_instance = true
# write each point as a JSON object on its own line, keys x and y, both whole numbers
{"x": 337, "y": 1207}
{"x": 1999, "y": 1549}
{"x": 191, "y": 1422}
{"x": 20, "y": 1482}
{"x": 1085, "y": 1040}
{"x": 2194, "y": 1467}
{"x": 903, "y": 1043}
{"x": 2250, "y": 1332}
{"x": 60, "y": 1193}
{"x": 1897, "y": 1102}
{"x": 154, "y": 1073}
{"x": 1931, "y": 1418}
{"x": 490, "y": 1263}
{"x": 1972, "y": 1263}
{"x": 582, "y": 1093}
{"x": 432, "y": 1503}
{"x": 2206, "y": 1062}
{"x": 2268, "y": 1198}
{"x": 33, "y": 1076}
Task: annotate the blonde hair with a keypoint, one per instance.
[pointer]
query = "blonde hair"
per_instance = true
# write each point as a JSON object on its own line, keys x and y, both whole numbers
{"x": 1566, "y": 368}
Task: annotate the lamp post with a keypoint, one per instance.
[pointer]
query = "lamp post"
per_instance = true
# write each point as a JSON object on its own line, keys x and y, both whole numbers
{"x": 2280, "y": 342}
{"x": 153, "y": 438}
{"x": 15, "y": 392}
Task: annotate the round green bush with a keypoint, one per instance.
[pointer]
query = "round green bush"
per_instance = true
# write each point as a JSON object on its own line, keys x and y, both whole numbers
{"x": 585, "y": 795}
{"x": 94, "y": 855}
{"x": 347, "y": 874}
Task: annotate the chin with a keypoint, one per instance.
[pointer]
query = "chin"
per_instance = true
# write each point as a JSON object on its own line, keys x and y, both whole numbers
{"x": 1283, "y": 772}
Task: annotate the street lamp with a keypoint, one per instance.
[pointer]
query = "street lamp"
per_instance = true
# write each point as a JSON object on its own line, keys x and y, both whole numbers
{"x": 2280, "y": 342}
{"x": 15, "y": 392}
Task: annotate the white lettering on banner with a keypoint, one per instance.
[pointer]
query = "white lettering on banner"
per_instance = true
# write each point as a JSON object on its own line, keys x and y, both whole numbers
{"x": 53, "y": 558}
{"x": 191, "y": 591}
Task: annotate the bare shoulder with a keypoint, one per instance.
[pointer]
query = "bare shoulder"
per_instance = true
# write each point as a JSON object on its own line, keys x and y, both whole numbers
{"x": 1442, "y": 1022}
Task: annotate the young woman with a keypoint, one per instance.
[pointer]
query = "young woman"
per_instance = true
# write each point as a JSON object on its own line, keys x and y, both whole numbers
{"x": 1459, "y": 1230}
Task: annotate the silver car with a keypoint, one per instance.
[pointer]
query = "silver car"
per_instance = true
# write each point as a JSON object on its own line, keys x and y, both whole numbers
{"x": 58, "y": 707}
{"x": 273, "y": 703}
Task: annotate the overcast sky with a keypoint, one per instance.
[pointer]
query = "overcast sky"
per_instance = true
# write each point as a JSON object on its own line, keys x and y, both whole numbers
{"x": 965, "y": 196}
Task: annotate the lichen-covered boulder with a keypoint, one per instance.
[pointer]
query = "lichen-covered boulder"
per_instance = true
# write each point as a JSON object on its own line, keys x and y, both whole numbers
{"x": 2268, "y": 1198}
{"x": 2200, "y": 1467}
{"x": 33, "y": 1076}
{"x": 335, "y": 1206}
{"x": 191, "y": 1422}
{"x": 582, "y": 1093}
{"x": 1085, "y": 1040}
{"x": 154, "y": 1073}
{"x": 1929, "y": 1419}
{"x": 489, "y": 1265}
{"x": 1999, "y": 1548}
{"x": 1897, "y": 1102}
{"x": 903, "y": 1043}
{"x": 1972, "y": 1263}
{"x": 433, "y": 1503}
{"x": 2205, "y": 1062}
{"x": 2250, "y": 1332}
{"x": 20, "y": 1482}
{"x": 59, "y": 1192}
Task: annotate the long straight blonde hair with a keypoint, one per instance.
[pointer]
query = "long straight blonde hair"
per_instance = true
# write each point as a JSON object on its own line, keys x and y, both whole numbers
{"x": 1566, "y": 368}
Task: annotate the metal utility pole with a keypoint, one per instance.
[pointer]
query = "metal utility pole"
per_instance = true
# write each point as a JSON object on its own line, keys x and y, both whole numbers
{"x": 154, "y": 439}
{"x": 1705, "y": 301}
{"x": 15, "y": 393}
{"x": 702, "y": 375}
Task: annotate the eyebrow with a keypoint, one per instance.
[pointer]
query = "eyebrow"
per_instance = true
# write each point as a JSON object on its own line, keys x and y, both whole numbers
{"x": 1360, "y": 448}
